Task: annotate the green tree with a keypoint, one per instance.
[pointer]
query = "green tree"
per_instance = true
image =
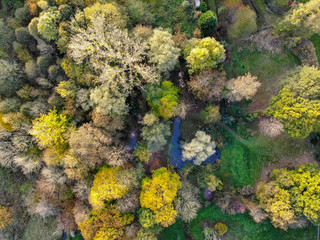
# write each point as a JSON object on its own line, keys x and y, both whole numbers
{"x": 49, "y": 23}
{"x": 203, "y": 53}
{"x": 156, "y": 136}
{"x": 297, "y": 105}
{"x": 11, "y": 78}
{"x": 301, "y": 21}
{"x": 162, "y": 50}
{"x": 291, "y": 194}
{"x": 163, "y": 99}
{"x": 208, "y": 21}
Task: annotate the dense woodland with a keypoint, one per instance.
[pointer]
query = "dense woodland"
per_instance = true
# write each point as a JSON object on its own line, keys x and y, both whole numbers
{"x": 159, "y": 119}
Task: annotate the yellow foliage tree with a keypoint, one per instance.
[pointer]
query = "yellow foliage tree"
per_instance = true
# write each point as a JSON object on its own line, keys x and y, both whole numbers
{"x": 106, "y": 187}
{"x": 158, "y": 194}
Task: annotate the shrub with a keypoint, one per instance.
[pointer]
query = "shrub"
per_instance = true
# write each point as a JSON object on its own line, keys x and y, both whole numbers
{"x": 22, "y": 52}
{"x": 203, "y": 7}
{"x": 146, "y": 218}
{"x": 270, "y": 127}
{"x": 49, "y": 23}
{"x": 220, "y": 228}
{"x": 5, "y": 216}
{"x": 245, "y": 23}
{"x": 208, "y": 22}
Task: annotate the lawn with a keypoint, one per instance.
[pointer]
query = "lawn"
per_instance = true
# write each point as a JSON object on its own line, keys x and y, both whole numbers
{"x": 242, "y": 227}
{"x": 173, "y": 232}
{"x": 268, "y": 67}
{"x": 316, "y": 42}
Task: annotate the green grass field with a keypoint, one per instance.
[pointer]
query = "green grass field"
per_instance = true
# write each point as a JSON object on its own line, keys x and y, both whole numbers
{"x": 316, "y": 42}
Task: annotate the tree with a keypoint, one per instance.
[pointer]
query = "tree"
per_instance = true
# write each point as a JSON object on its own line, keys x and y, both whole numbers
{"x": 301, "y": 21}
{"x": 50, "y": 130}
{"x": 208, "y": 21}
{"x": 199, "y": 149}
{"x": 109, "y": 101}
{"x": 162, "y": 50}
{"x": 158, "y": 194}
{"x": 94, "y": 146}
{"x": 245, "y": 23}
{"x": 6, "y": 36}
{"x": 300, "y": 116}
{"x": 23, "y": 36}
{"x": 142, "y": 153}
{"x": 108, "y": 11}
{"x": 291, "y": 194}
{"x": 242, "y": 87}
{"x": 163, "y": 99}
{"x": 106, "y": 187}
{"x": 107, "y": 223}
{"x": 156, "y": 136}
{"x": 119, "y": 64}
{"x": 188, "y": 202}
{"x": 5, "y": 216}
{"x": 10, "y": 78}
{"x": 211, "y": 114}
{"x": 203, "y": 53}
{"x": 49, "y": 23}
{"x": 208, "y": 84}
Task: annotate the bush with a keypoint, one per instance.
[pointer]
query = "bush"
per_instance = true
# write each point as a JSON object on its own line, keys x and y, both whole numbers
{"x": 245, "y": 23}
{"x": 139, "y": 13}
{"x": 203, "y": 7}
{"x": 146, "y": 218}
{"x": 220, "y": 228}
{"x": 208, "y": 22}
{"x": 22, "y": 52}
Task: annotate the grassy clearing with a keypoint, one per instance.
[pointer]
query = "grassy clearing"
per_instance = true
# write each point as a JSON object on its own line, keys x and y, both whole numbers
{"x": 266, "y": 66}
{"x": 242, "y": 227}
{"x": 316, "y": 42}
{"x": 173, "y": 232}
